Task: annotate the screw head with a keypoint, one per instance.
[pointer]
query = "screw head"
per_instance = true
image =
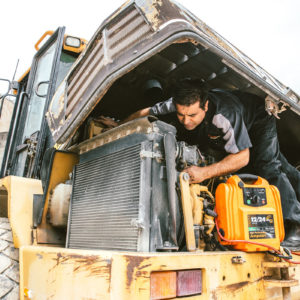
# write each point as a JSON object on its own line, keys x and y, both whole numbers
{"x": 186, "y": 177}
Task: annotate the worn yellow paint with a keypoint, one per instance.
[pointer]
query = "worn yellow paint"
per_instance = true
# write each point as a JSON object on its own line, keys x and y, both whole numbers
{"x": 62, "y": 166}
{"x": 192, "y": 208}
{"x": 20, "y": 193}
{"x": 281, "y": 283}
{"x": 58, "y": 273}
{"x": 187, "y": 212}
{"x": 151, "y": 12}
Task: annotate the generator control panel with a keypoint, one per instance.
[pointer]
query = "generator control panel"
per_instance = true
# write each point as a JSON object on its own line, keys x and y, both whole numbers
{"x": 254, "y": 196}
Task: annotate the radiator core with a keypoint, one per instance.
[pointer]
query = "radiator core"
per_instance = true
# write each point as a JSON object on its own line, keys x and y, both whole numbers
{"x": 105, "y": 202}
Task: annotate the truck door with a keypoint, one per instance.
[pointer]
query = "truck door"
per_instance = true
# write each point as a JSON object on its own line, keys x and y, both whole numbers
{"x": 40, "y": 88}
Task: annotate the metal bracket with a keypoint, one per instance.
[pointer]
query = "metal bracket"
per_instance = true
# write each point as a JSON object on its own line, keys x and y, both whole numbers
{"x": 139, "y": 224}
{"x": 145, "y": 154}
{"x": 238, "y": 260}
{"x": 272, "y": 107}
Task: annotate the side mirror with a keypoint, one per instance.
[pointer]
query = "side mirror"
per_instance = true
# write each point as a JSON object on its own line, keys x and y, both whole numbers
{"x": 42, "y": 89}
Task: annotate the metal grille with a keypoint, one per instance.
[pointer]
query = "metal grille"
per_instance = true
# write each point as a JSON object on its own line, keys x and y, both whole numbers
{"x": 105, "y": 202}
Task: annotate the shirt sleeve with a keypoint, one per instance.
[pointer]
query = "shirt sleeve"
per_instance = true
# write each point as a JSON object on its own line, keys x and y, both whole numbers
{"x": 236, "y": 136}
{"x": 163, "y": 108}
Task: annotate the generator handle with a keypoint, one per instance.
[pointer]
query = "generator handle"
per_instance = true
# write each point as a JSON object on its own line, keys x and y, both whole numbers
{"x": 247, "y": 177}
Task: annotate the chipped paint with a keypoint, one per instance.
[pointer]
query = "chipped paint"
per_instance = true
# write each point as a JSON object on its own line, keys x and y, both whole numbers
{"x": 236, "y": 286}
{"x": 239, "y": 287}
{"x": 83, "y": 263}
{"x": 130, "y": 278}
{"x": 134, "y": 266}
{"x": 151, "y": 11}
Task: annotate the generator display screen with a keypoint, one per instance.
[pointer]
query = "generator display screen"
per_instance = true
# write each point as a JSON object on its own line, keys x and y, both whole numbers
{"x": 261, "y": 226}
{"x": 255, "y": 196}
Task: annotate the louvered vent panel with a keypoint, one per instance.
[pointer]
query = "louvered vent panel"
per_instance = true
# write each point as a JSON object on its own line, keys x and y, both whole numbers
{"x": 125, "y": 33}
{"x": 105, "y": 201}
{"x": 81, "y": 80}
{"x": 113, "y": 41}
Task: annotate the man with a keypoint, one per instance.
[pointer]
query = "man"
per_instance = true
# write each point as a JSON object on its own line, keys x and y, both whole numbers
{"x": 237, "y": 128}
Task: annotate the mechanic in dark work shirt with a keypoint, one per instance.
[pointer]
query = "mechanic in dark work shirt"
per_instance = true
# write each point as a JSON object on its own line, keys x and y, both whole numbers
{"x": 236, "y": 126}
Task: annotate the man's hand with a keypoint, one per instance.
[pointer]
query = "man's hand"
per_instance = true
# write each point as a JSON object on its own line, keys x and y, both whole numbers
{"x": 196, "y": 174}
{"x": 229, "y": 164}
{"x": 107, "y": 123}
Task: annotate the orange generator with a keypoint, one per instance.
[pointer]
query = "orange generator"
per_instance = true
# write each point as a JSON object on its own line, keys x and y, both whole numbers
{"x": 249, "y": 213}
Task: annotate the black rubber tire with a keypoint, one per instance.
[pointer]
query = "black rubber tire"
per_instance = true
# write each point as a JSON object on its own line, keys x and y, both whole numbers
{"x": 9, "y": 263}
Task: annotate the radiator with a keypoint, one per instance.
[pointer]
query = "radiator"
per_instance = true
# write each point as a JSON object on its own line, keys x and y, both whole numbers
{"x": 119, "y": 189}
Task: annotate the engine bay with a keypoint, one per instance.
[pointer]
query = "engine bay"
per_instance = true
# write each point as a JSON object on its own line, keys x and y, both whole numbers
{"x": 154, "y": 81}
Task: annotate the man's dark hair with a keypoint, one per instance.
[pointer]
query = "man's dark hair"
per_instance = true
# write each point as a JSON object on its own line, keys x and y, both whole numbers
{"x": 188, "y": 92}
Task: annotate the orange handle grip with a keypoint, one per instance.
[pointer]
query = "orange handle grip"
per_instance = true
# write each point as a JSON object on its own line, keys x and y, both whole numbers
{"x": 36, "y": 46}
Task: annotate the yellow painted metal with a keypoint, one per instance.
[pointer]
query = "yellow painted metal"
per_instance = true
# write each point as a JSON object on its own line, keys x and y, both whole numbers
{"x": 58, "y": 273}
{"x": 20, "y": 200}
{"x": 197, "y": 204}
{"x": 276, "y": 264}
{"x": 62, "y": 166}
{"x": 187, "y": 212}
{"x": 36, "y": 46}
{"x": 281, "y": 283}
{"x": 82, "y": 46}
{"x": 192, "y": 207}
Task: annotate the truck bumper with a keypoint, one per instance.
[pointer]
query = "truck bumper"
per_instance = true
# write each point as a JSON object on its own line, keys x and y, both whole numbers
{"x": 60, "y": 273}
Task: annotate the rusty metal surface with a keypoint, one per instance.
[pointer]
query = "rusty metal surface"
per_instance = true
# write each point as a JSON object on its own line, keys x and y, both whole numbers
{"x": 46, "y": 234}
{"x": 57, "y": 273}
{"x": 280, "y": 282}
{"x": 128, "y": 38}
{"x": 142, "y": 125}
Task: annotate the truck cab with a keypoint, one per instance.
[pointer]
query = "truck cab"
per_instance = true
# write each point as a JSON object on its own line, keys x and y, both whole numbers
{"x": 28, "y": 135}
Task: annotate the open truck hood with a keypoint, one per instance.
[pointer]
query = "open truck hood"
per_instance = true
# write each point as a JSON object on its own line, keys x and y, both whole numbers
{"x": 132, "y": 35}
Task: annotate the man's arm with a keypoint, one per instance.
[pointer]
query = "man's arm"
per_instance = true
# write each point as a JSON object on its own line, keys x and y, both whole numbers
{"x": 110, "y": 123}
{"x": 138, "y": 114}
{"x": 231, "y": 163}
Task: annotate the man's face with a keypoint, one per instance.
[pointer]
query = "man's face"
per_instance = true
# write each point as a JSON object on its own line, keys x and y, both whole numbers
{"x": 191, "y": 116}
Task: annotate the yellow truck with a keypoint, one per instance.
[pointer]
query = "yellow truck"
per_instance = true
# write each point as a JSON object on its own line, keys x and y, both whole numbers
{"x": 109, "y": 214}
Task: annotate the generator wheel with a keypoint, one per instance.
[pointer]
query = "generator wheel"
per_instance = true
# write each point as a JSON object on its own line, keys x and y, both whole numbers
{"x": 9, "y": 263}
